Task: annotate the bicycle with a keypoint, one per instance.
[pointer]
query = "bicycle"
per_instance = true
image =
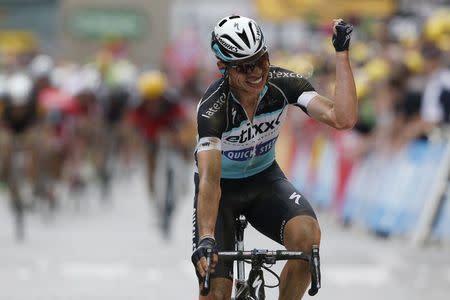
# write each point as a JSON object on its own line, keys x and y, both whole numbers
{"x": 168, "y": 204}
{"x": 169, "y": 186}
{"x": 106, "y": 168}
{"x": 253, "y": 287}
{"x": 17, "y": 186}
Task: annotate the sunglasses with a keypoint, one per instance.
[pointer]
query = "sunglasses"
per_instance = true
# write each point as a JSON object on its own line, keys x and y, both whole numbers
{"x": 247, "y": 68}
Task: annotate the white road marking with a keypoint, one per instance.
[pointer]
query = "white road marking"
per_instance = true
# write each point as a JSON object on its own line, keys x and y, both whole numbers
{"x": 359, "y": 275}
{"x": 105, "y": 271}
{"x": 447, "y": 274}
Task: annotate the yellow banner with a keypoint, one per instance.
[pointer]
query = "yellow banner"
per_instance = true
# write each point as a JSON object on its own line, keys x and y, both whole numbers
{"x": 279, "y": 10}
{"x": 17, "y": 41}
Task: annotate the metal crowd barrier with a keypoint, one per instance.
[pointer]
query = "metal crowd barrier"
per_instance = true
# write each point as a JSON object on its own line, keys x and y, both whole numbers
{"x": 399, "y": 194}
{"x": 441, "y": 230}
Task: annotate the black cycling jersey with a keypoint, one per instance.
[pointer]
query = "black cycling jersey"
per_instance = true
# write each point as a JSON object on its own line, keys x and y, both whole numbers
{"x": 18, "y": 120}
{"x": 248, "y": 147}
{"x": 115, "y": 102}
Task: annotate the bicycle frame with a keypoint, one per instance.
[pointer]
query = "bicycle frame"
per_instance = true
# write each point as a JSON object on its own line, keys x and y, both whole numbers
{"x": 241, "y": 286}
{"x": 168, "y": 187}
{"x": 253, "y": 287}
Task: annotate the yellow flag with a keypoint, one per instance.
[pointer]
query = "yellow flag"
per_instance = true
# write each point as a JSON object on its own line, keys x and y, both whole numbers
{"x": 278, "y": 10}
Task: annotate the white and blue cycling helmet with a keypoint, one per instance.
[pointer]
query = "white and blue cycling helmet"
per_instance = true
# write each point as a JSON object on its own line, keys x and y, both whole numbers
{"x": 237, "y": 39}
{"x": 18, "y": 89}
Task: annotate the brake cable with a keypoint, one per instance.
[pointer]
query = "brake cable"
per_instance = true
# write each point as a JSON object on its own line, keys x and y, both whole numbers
{"x": 271, "y": 272}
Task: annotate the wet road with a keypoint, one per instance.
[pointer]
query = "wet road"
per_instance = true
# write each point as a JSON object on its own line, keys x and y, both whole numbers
{"x": 116, "y": 252}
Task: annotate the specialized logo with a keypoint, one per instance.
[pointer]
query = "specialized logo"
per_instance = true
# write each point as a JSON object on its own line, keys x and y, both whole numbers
{"x": 296, "y": 197}
{"x": 233, "y": 113}
{"x": 215, "y": 107}
{"x": 254, "y": 130}
{"x": 257, "y": 284}
{"x": 248, "y": 153}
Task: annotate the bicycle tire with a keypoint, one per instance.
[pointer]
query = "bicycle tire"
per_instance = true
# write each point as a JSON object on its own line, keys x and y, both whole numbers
{"x": 168, "y": 204}
{"x": 19, "y": 219}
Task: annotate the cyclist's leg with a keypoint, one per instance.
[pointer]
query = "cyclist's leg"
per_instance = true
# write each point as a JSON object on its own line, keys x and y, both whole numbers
{"x": 284, "y": 215}
{"x": 5, "y": 154}
{"x": 221, "y": 289}
{"x": 30, "y": 140}
{"x": 152, "y": 148}
{"x": 300, "y": 234}
{"x": 222, "y": 279}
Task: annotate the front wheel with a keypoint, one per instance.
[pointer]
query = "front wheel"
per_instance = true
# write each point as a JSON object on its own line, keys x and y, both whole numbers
{"x": 19, "y": 218}
{"x": 168, "y": 205}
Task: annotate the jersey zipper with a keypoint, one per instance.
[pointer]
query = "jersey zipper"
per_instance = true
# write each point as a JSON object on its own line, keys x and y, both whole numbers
{"x": 261, "y": 95}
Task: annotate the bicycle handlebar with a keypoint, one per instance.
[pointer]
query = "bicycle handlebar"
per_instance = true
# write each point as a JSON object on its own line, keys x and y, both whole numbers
{"x": 265, "y": 254}
{"x": 270, "y": 256}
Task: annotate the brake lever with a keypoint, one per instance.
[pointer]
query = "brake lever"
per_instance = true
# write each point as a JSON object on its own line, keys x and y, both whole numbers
{"x": 206, "y": 282}
{"x": 314, "y": 266}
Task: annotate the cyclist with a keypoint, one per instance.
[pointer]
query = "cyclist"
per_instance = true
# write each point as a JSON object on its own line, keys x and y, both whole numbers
{"x": 158, "y": 114}
{"x": 115, "y": 95}
{"x": 49, "y": 156}
{"x": 238, "y": 120}
{"x": 434, "y": 110}
{"x": 19, "y": 119}
{"x": 19, "y": 136}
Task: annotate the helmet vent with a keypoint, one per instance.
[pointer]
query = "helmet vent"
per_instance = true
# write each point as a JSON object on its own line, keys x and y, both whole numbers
{"x": 252, "y": 30}
{"x": 244, "y": 37}
{"x": 223, "y": 22}
{"x": 234, "y": 17}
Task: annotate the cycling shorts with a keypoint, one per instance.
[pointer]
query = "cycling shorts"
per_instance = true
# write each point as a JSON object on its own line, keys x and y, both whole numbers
{"x": 268, "y": 201}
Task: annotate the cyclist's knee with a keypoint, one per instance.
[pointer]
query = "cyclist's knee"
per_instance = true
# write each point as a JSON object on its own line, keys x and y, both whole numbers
{"x": 216, "y": 295}
{"x": 301, "y": 233}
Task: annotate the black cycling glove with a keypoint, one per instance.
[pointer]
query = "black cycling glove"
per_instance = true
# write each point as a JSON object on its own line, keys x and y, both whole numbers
{"x": 341, "y": 39}
{"x": 206, "y": 245}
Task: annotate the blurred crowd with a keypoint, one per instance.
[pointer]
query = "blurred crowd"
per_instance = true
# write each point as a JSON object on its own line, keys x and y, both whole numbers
{"x": 401, "y": 69}
{"x": 70, "y": 124}
{"x": 72, "y": 117}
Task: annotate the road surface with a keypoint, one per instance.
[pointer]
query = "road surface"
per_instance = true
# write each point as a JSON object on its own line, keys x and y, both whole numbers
{"x": 116, "y": 252}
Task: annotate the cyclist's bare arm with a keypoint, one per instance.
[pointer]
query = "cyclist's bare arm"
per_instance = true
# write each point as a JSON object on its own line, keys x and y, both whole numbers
{"x": 209, "y": 166}
{"x": 342, "y": 113}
